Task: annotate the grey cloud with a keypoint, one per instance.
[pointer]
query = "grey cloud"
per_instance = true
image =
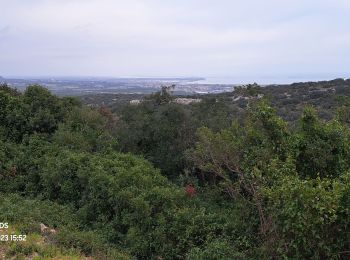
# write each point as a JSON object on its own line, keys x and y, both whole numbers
{"x": 184, "y": 37}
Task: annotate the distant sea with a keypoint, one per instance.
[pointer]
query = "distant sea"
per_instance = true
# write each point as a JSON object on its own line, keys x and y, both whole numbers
{"x": 72, "y": 86}
{"x": 266, "y": 80}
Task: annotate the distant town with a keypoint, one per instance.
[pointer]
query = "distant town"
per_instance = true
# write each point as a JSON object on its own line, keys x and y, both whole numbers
{"x": 75, "y": 86}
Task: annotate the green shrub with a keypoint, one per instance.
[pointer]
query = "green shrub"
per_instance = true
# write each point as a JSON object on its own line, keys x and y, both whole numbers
{"x": 311, "y": 217}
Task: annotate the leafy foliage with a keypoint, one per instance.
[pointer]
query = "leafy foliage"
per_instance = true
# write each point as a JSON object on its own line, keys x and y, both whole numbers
{"x": 250, "y": 186}
{"x": 296, "y": 180}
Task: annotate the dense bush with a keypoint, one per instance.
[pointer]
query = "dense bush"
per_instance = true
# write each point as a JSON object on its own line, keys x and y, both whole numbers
{"x": 296, "y": 180}
{"x": 254, "y": 188}
{"x": 162, "y": 130}
{"x": 311, "y": 217}
{"x": 130, "y": 203}
{"x": 27, "y": 215}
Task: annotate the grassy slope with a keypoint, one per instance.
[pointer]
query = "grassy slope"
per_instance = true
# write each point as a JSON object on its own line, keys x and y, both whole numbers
{"x": 24, "y": 216}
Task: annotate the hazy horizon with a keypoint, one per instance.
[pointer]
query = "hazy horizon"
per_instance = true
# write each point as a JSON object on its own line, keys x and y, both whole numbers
{"x": 262, "y": 80}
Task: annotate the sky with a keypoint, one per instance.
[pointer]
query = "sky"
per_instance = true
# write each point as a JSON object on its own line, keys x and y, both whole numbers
{"x": 208, "y": 38}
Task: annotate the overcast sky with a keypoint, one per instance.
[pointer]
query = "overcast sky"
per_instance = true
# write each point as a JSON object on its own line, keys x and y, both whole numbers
{"x": 231, "y": 38}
